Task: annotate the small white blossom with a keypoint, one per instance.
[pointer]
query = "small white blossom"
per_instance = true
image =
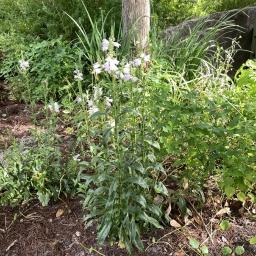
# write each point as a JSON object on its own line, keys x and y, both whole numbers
{"x": 24, "y": 65}
{"x": 145, "y": 57}
{"x": 116, "y": 44}
{"x": 78, "y": 75}
{"x": 134, "y": 79}
{"x": 119, "y": 75}
{"x": 127, "y": 68}
{"x": 77, "y": 158}
{"x": 105, "y": 45}
{"x": 92, "y": 108}
{"x": 78, "y": 99}
{"x": 127, "y": 77}
{"x": 97, "y": 68}
{"x": 112, "y": 123}
{"x": 137, "y": 62}
{"x": 111, "y": 65}
{"x": 108, "y": 102}
{"x": 97, "y": 92}
{"x": 54, "y": 107}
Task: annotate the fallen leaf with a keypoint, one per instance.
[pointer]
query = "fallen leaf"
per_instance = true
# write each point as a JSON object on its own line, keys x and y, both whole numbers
{"x": 174, "y": 223}
{"x": 185, "y": 183}
{"x": 59, "y": 213}
{"x": 223, "y": 211}
{"x": 169, "y": 209}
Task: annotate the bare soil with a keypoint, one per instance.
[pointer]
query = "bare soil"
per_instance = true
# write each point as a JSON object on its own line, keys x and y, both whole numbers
{"x": 58, "y": 229}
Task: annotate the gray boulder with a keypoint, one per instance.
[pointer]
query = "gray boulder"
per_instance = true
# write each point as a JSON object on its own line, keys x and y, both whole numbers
{"x": 244, "y": 22}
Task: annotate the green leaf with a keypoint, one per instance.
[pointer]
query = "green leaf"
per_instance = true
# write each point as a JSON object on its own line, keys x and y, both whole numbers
{"x": 241, "y": 196}
{"x": 204, "y": 249}
{"x": 161, "y": 189}
{"x": 194, "y": 243}
{"x": 154, "y": 144}
{"x": 150, "y": 220}
{"x": 104, "y": 231}
{"x": 230, "y": 191}
{"x": 44, "y": 198}
{"x": 225, "y": 225}
{"x": 239, "y": 250}
{"x": 151, "y": 157}
{"x": 253, "y": 240}
{"x": 139, "y": 181}
{"x": 226, "y": 250}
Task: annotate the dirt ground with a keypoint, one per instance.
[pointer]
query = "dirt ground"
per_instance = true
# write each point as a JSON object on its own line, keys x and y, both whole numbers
{"x": 59, "y": 230}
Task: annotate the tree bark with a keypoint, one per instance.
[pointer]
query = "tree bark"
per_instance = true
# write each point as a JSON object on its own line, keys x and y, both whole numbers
{"x": 136, "y": 21}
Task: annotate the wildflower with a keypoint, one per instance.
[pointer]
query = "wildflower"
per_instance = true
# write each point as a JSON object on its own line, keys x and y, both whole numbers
{"x": 127, "y": 77}
{"x": 137, "y": 62}
{"x": 134, "y": 79}
{"x": 127, "y": 68}
{"x": 24, "y": 65}
{"x": 108, "y": 102}
{"x": 145, "y": 57}
{"x": 111, "y": 123}
{"x": 77, "y": 158}
{"x": 116, "y": 44}
{"x": 78, "y": 99}
{"x": 111, "y": 65}
{"x": 97, "y": 68}
{"x": 78, "y": 75}
{"x": 54, "y": 107}
{"x": 92, "y": 108}
{"x": 119, "y": 75}
{"x": 105, "y": 45}
{"x": 97, "y": 92}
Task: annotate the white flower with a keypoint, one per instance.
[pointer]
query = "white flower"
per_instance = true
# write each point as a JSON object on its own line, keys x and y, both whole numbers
{"x": 145, "y": 57}
{"x": 111, "y": 65}
{"x": 108, "y": 102}
{"x": 78, "y": 75}
{"x": 92, "y": 108}
{"x": 116, "y": 44}
{"x": 97, "y": 68}
{"x": 112, "y": 123}
{"x": 134, "y": 79}
{"x": 78, "y": 99}
{"x": 54, "y": 107}
{"x": 77, "y": 158}
{"x": 119, "y": 75}
{"x": 105, "y": 45}
{"x": 137, "y": 62}
{"x": 97, "y": 92}
{"x": 127, "y": 68}
{"x": 24, "y": 65}
{"x": 127, "y": 77}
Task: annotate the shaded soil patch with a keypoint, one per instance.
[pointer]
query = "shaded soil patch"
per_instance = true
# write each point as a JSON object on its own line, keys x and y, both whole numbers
{"x": 15, "y": 121}
{"x": 59, "y": 230}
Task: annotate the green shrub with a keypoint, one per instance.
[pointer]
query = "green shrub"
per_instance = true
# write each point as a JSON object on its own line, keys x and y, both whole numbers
{"x": 172, "y": 12}
{"x": 37, "y": 168}
{"x": 47, "y": 19}
{"x": 207, "y": 127}
{"x": 50, "y": 72}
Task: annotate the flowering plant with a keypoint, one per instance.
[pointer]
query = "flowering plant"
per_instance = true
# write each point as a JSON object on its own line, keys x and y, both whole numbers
{"x": 121, "y": 149}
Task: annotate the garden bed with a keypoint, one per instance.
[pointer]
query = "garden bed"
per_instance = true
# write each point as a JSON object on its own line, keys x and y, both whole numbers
{"x": 58, "y": 229}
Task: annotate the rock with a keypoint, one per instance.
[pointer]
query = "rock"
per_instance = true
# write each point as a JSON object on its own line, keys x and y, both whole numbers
{"x": 244, "y": 20}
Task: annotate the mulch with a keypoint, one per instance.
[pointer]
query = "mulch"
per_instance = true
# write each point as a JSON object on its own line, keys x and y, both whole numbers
{"x": 58, "y": 229}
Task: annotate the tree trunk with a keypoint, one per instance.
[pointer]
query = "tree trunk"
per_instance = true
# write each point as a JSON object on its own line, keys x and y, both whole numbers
{"x": 136, "y": 21}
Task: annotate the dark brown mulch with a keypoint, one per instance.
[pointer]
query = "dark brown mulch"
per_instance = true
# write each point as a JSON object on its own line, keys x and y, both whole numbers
{"x": 59, "y": 230}
{"x": 38, "y": 231}
{"x": 15, "y": 121}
